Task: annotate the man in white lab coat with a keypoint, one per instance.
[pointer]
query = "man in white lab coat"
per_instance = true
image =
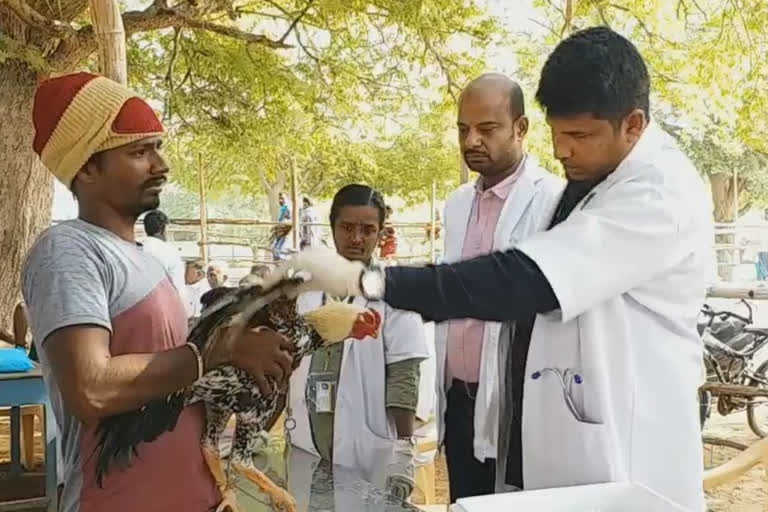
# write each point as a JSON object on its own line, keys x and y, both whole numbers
{"x": 512, "y": 198}
{"x": 604, "y": 358}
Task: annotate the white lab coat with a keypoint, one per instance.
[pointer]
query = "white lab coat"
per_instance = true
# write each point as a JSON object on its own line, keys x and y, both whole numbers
{"x": 629, "y": 267}
{"x": 194, "y": 293}
{"x": 363, "y": 432}
{"x": 527, "y": 209}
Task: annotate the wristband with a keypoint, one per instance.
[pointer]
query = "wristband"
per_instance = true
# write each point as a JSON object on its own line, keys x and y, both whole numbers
{"x": 198, "y": 357}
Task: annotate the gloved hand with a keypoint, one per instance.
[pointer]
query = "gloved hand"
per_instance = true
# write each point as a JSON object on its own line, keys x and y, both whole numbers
{"x": 401, "y": 470}
{"x": 321, "y": 269}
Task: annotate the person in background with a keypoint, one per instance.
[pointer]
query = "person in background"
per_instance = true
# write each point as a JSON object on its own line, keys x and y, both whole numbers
{"x": 281, "y": 233}
{"x": 388, "y": 239}
{"x": 355, "y": 403}
{"x": 217, "y": 273}
{"x": 155, "y": 223}
{"x": 197, "y": 284}
{"x": 309, "y": 233}
{"x": 255, "y": 276}
{"x": 512, "y": 198}
{"x": 18, "y": 336}
{"x": 109, "y": 326}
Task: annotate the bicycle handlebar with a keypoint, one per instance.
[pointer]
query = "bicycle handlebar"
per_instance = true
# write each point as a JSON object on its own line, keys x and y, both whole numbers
{"x": 712, "y": 314}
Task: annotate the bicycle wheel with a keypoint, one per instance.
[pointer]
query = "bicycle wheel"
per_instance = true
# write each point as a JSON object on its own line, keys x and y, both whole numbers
{"x": 757, "y": 408}
{"x": 717, "y": 451}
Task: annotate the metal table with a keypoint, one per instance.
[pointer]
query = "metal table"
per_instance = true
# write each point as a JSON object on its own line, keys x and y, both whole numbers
{"x": 16, "y": 390}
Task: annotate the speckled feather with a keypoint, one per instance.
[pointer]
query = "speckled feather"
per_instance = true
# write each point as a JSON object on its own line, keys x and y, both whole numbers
{"x": 224, "y": 390}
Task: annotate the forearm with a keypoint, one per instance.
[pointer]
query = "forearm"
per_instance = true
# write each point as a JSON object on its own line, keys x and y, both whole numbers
{"x": 125, "y": 383}
{"x": 402, "y": 394}
{"x": 501, "y": 286}
{"x": 404, "y": 421}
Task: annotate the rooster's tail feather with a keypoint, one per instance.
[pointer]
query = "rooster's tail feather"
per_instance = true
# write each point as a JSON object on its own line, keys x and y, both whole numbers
{"x": 120, "y": 435}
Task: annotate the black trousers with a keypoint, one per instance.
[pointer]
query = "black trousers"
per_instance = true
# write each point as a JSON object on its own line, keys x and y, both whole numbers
{"x": 467, "y": 475}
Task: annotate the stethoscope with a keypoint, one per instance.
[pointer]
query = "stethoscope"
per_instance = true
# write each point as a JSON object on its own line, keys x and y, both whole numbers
{"x": 566, "y": 378}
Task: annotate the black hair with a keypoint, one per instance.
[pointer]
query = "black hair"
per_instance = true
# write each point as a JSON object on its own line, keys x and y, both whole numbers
{"x": 196, "y": 264}
{"x": 594, "y": 71}
{"x": 155, "y": 222}
{"x": 357, "y": 195}
{"x": 94, "y": 159}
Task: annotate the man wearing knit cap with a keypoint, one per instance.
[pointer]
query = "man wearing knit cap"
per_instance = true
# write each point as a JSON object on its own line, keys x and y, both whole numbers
{"x": 108, "y": 324}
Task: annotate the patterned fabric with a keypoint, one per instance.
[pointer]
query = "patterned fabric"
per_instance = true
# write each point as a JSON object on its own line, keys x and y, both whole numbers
{"x": 80, "y": 114}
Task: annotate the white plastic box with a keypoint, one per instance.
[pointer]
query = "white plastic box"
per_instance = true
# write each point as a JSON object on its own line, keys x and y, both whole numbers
{"x": 611, "y": 497}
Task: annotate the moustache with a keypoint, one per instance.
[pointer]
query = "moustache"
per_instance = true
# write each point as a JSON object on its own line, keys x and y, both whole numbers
{"x": 155, "y": 182}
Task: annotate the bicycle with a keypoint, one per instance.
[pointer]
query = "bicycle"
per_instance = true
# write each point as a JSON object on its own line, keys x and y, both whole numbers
{"x": 729, "y": 350}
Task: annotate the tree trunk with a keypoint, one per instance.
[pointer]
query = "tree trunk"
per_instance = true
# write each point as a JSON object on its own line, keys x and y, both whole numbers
{"x": 273, "y": 189}
{"x": 722, "y": 197}
{"x": 26, "y": 187}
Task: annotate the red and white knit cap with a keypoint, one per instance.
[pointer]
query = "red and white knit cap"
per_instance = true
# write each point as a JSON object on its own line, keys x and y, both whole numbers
{"x": 80, "y": 114}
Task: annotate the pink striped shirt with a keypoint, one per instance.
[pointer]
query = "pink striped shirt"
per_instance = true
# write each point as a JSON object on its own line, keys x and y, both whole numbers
{"x": 465, "y": 337}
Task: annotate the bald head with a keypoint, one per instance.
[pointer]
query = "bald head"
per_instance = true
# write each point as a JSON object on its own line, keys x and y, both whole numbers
{"x": 492, "y": 126}
{"x": 499, "y": 84}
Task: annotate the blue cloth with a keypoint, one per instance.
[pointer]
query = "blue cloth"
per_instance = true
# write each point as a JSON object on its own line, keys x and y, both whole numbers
{"x": 14, "y": 360}
{"x": 762, "y": 266}
{"x": 277, "y": 249}
{"x": 285, "y": 213}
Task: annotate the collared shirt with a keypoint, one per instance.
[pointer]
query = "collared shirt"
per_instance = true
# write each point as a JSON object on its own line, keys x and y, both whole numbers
{"x": 465, "y": 337}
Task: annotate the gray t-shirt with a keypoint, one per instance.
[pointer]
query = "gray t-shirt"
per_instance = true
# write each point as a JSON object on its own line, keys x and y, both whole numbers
{"x": 81, "y": 274}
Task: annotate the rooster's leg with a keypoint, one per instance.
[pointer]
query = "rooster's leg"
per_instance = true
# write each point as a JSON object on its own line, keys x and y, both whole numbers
{"x": 281, "y": 500}
{"x": 228, "y": 497}
{"x": 247, "y": 443}
{"x": 215, "y": 423}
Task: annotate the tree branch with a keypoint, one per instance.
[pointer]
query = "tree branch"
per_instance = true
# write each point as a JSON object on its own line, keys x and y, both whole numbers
{"x": 74, "y": 49}
{"x": 450, "y": 83}
{"x": 33, "y": 18}
{"x": 296, "y": 21}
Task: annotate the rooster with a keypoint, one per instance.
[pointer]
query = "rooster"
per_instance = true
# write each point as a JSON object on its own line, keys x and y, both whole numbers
{"x": 228, "y": 390}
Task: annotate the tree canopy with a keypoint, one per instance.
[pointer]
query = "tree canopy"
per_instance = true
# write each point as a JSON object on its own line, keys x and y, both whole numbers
{"x": 339, "y": 104}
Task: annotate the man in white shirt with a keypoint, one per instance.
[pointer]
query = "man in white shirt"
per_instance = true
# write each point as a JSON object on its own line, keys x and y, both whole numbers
{"x": 156, "y": 245}
{"x": 197, "y": 285}
{"x": 217, "y": 273}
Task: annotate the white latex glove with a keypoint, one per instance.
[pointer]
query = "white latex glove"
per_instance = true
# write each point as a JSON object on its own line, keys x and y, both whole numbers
{"x": 322, "y": 269}
{"x": 401, "y": 470}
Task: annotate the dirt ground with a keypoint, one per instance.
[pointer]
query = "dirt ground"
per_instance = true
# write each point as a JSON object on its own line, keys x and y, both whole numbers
{"x": 748, "y": 494}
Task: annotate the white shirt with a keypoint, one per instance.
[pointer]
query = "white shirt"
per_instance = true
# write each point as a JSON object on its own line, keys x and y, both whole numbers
{"x": 170, "y": 257}
{"x": 194, "y": 292}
